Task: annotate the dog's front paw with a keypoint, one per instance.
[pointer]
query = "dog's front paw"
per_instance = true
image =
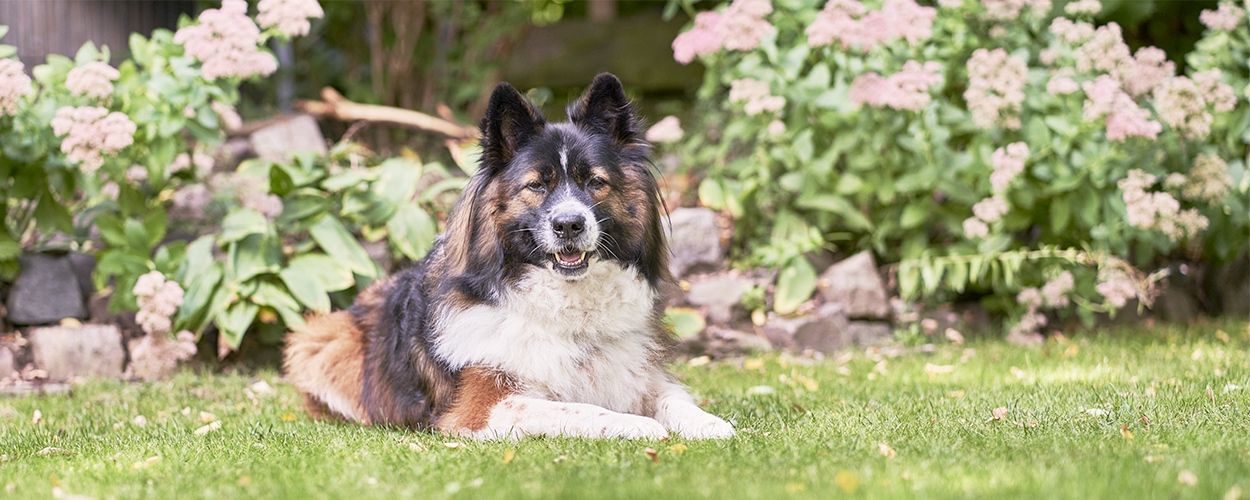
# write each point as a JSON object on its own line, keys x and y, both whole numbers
{"x": 705, "y": 426}
{"x": 627, "y": 426}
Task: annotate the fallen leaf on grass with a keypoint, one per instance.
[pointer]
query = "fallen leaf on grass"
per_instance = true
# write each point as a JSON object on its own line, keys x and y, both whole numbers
{"x": 559, "y": 459}
{"x": 417, "y": 447}
{"x": 886, "y": 450}
{"x": 1018, "y": 373}
{"x": 1150, "y": 459}
{"x": 140, "y": 421}
{"x": 760, "y": 390}
{"x": 809, "y": 384}
{"x": 114, "y": 458}
{"x": 677, "y": 449}
{"x": 1187, "y": 478}
{"x": 933, "y": 369}
{"x": 1128, "y": 436}
{"x": 700, "y": 361}
{"x": 1095, "y": 412}
{"x": 508, "y": 455}
{"x": 454, "y": 445}
{"x": 1220, "y": 334}
{"x": 54, "y": 451}
{"x": 36, "y": 418}
{"x": 953, "y": 335}
{"x": 795, "y": 487}
{"x": 207, "y": 417}
{"x": 655, "y": 457}
{"x": 846, "y": 481}
{"x": 146, "y": 463}
{"x": 208, "y": 428}
{"x": 119, "y": 425}
{"x": 1072, "y": 350}
{"x": 956, "y": 394}
{"x": 999, "y": 413}
{"x": 753, "y": 364}
{"x": 245, "y": 480}
{"x": 1234, "y": 493}
{"x": 288, "y": 417}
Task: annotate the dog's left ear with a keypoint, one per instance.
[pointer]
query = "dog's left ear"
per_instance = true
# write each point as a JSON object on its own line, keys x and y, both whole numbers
{"x": 605, "y": 109}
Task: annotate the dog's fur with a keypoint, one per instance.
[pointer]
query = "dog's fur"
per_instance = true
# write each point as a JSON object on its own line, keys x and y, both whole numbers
{"x": 536, "y": 312}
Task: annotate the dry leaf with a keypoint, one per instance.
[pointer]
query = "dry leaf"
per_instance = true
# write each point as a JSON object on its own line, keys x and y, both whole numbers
{"x": 1128, "y": 436}
{"x": 186, "y": 412}
{"x": 753, "y": 364}
{"x": 140, "y": 421}
{"x": 1234, "y": 493}
{"x": 508, "y": 455}
{"x": 1187, "y": 478}
{"x": 1072, "y": 350}
{"x": 559, "y": 459}
{"x": 1153, "y": 458}
{"x": 146, "y": 463}
{"x": 956, "y": 394}
{"x": 933, "y": 369}
{"x": 54, "y": 451}
{"x": 847, "y": 481}
{"x": 1219, "y": 334}
{"x": 999, "y": 413}
{"x": 454, "y": 445}
{"x": 760, "y": 390}
{"x": 886, "y": 450}
{"x": 116, "y": 457}
{"x": 808, "y": 383}
{"x": 795, "y": 487}
{"x": 36, "y": 418}
{"x": 417, "y": 447}
{"x": 245, "y": 480}
{"x": 71, "y": 323}
{"x": 119, "y": 425}
{"x": 700, "y": 361}
{"x": 1150, "y": 391}
{"x": 208, "y": 428}
{"x": 207, "y": 417}
{"x": 655, "y": 457}
{"x": 1020, "y": 374}
{"x": 954, "y": 336}
{"x": 677, "y": 449}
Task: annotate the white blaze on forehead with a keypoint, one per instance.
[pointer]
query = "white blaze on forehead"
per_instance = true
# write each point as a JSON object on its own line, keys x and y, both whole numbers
{"x": 564, "y": 158}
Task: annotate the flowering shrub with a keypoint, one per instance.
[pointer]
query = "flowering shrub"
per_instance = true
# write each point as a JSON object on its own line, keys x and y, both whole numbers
{"x": 966, "y": 140}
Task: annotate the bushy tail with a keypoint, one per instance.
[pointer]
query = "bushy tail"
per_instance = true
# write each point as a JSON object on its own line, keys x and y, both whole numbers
{"x": 324, "y": 359}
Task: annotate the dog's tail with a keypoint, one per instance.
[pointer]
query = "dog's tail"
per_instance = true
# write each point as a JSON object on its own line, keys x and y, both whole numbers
{"x": 324, "y": 359}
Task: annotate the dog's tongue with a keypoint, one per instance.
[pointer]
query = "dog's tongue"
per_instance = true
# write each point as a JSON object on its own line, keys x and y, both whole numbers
{"x": 570, "y": 257}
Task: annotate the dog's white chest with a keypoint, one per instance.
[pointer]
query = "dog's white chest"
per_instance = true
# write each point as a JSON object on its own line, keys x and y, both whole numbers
{"x": 584, "y": 341}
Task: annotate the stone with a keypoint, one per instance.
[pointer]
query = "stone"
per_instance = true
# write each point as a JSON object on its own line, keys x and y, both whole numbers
{"x": 8, "y": 363}
{"x": 46, "y": 291}
{"x": 694, "y": 241}
{"x": 85, "y": 351}
{"x": 825, "y": 331}
{"x": 1176, "y": 304}
{"x": 719, "y": 294}
{"x": 855, "y": 284}
{"x": 869, "y": 333}
{"x": 83, "y": 265}
{"x": 720, "y": 342}
{"x": 278, "y": 142}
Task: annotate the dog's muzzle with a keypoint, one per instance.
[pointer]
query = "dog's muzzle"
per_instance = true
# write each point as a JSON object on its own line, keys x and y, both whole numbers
{"x": 570, "y": 237}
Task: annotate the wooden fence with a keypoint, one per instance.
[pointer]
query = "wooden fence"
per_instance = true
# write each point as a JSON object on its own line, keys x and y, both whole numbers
{"x": 42, "y": 27}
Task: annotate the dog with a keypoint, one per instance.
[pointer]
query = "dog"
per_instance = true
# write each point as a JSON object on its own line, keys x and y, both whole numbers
{"x": 537, "y": 310}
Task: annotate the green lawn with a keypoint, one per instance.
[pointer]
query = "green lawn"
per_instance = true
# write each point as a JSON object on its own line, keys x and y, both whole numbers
{"x": 1124, "y": 414}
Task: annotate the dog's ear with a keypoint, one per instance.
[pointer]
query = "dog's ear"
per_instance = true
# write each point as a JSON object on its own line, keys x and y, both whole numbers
{"x": 605, "y": 109}
{"x": 510, "y": 122}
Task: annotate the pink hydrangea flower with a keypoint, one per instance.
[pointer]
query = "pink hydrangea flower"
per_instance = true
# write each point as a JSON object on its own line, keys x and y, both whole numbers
{"x": 158, "y": 301}
{"x": 1151, "y": 67}
{"x": 225, "y": 41}
{"x": 1182, "y": 106}
{"x": 1083, "y": 7}
{"x": 229, "y": 117}
{"x": 1106, "y": 51}
{"x": 289, "y": 16}
{"x": 1208, "y": 181}
{"x": 1061, "y": 85}
{"x": 1008, "y": 162}
{"x": 14, "y": 85}
{"x": 1048, "y": 56}
{"x": 1225, "y": 19}
{"x": 666, "y": 130}
{"x": 990, "y": 209}
{"x": 1055, "y": 292}
{"x": 743, "y": 26}
{"x": 776, "y": 128}
{"x": 154, "y": 356}
{"x": 1070, "y": 32}
{"x": 1157, "y": 211}
{"x": 1123, "y": 117}
{"x": 849, "y": 23}
{"x": 975, "y": 228}
{"x": 94, "y": 80}
{"x": 203, "y": 163}
{"x": 92, "y": 132}
{"x": 907, "y": 89}
{"x": 1117, "y": 289}
{"x": 136, "y": 174}
{"x": 1029, "y": 297}
{"x": 1009, "y": 10}
{"x": 1219, "y": 95}
{"x": 995, "y": 88}
{"x": 703, "y": 39}
{"x": 950, "y": 4}
{"x": 756, "y": 96}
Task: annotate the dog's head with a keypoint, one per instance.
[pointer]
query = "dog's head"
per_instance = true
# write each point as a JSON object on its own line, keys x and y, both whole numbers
{"x": 563, "y": 197}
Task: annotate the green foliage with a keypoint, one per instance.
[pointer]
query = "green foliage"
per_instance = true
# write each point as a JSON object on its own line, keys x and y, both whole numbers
{"x": 827, "y": 171}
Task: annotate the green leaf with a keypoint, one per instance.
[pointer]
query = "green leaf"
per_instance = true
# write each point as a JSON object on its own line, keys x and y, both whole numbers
{"x": 412, "y": 231}
{"x": 306, "y": 290}
{"x": 137, "y": 238}
{"x": 348, "y": 179}
{"x": 684, "y": 321}
{"x": 301, "y": 205}
{"x": 269, "y": 294}
{"x": 235, "y": 321}
{"x": 51, "y": 216}
{"x": 334, "y": 239}
{"x": 198, "y": 260}
{"x": 169, "y": 257}
{"x": 914, "y": 214}
{"x": 837, "y": 205}
{"x": 795, "y": 285}
{"x": 456, "y": 183}
{"x": 329, "y": 273}
{"x": 240, "y": 223}
{"x": 397, "y": 182}
{"x": 1060, "y": 214}
{"x": 117, "y": 263}
{"x": 9, "y": 248}
{"x": 711, "y": 194}
{"x": 252, "y": 256}
{"x": 196, "y": 300}
{"x": 112, "y": 230}
{"x": 155, "y": 224}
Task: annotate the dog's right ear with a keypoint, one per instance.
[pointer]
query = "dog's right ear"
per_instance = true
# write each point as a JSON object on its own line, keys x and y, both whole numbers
{"x": 510, "y": 122}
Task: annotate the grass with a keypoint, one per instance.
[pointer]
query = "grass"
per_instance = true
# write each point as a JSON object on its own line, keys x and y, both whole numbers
{"x": 1121, "y": 414}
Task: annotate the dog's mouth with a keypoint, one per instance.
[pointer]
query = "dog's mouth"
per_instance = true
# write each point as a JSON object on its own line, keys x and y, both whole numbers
{"x": 570, "y": 261}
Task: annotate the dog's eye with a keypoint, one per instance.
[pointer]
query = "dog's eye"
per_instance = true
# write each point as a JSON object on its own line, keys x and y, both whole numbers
{"x": 536, "y": 186}
{"x": 597, "y": 182}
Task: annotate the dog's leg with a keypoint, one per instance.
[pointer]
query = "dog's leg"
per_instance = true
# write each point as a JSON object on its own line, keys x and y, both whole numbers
{"x": 517, "y": 416}
{"x": 676, "y": 410}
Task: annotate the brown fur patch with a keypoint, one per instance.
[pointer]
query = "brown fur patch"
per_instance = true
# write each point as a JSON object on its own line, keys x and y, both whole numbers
{"x": 479, "y": 390}
{"x": 324, "y": 360}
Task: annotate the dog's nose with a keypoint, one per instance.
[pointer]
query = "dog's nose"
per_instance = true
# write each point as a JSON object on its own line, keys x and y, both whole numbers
{"x": 568, "y": 225}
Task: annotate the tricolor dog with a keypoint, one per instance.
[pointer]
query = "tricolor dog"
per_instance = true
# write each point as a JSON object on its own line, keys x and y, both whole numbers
{"x": 536, "y": 312}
